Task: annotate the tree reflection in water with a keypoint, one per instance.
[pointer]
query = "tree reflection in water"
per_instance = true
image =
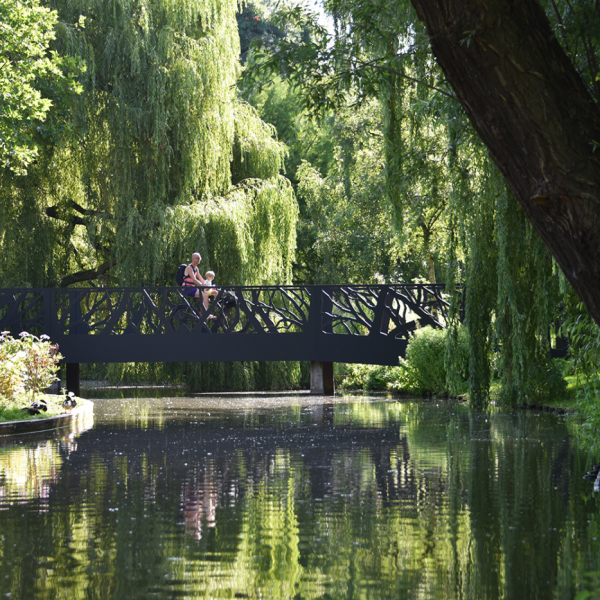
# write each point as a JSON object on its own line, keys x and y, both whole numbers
{"x": 30, "y": 466}
{"x": 288, "y": 498}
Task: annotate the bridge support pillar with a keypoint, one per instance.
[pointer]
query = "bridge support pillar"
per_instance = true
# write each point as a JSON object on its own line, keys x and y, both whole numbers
{"x": 321, "y": 378}
{"x": 73, "y": 378}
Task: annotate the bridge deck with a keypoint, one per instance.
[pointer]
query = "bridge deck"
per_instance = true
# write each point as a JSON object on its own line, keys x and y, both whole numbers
{"x": 331, "y": 323}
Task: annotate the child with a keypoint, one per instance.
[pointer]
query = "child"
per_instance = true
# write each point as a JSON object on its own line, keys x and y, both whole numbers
{"x": 208, "y": 280}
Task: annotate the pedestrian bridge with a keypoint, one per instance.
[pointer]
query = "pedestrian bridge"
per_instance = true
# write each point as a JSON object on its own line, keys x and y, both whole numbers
{"x": 321, "y": 323}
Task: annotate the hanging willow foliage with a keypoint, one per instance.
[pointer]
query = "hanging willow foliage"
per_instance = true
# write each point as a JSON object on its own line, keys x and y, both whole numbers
{"x": 159, "y": 159}
{"x": 528, "y": 297}
{"x": 246, "y": 237}
{"x": 511, "y": 289}
{"x": 256, "y": 151}
{"x": 436, "y": 165}
{"x": 156, "y": 140}
{"x": 480, "y": 289}
{"x": 510, "y": 292}
{"x": 391, "y": 97}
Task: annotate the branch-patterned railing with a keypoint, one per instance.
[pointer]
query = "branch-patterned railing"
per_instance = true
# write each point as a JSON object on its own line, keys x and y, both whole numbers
{"x": 162, "y": 324}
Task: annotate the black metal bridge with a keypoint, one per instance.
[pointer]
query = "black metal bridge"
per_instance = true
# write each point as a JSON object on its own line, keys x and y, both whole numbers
{"x": 330, "y": 323}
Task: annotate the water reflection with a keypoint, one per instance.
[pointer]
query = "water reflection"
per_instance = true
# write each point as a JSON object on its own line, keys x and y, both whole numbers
{"x": 30, "y": 464}
{"x": 199, "y": 500}
{"x": 287, "y": 497}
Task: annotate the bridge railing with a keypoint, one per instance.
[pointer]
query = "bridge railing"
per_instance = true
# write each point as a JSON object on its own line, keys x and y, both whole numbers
{"x": 350, "y": 323}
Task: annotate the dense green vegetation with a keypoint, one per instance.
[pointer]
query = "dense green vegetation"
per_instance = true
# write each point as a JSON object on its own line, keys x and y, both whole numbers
{"x": 28, "y": 365}
{"x": 155, "y": 158}
{"x": 283, "y": 152}
{"x": 413, "y": 162}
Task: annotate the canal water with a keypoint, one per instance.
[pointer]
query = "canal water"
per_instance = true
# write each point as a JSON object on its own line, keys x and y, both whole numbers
{"x": 292, "y": 496}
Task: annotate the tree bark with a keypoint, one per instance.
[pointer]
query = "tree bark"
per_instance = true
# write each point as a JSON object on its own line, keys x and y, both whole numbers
{"x": 88, "y": 275}
{"x": 536, "y": 117}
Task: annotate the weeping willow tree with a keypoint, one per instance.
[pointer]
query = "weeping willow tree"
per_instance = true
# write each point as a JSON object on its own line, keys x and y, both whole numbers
{"x": 497, "y": 267}
{"x": 445, "y": 193}
{"x": 157, "y": 157}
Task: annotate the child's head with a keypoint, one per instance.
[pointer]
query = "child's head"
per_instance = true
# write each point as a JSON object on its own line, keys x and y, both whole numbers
{"x": 210, "y": 275}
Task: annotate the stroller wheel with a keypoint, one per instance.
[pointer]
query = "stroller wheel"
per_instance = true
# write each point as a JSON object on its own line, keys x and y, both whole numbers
{"x": 182, "y": 315}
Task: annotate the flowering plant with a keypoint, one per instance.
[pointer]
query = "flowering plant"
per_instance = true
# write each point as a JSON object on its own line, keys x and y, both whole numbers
{"x": 27, "y": 365}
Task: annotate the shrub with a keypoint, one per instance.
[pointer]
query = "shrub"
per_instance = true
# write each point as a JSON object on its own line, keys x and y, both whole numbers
{"x": 12, "y": 357}
{"x": 546, "y": 382}
{"x": 423, "y": 371}
{"x": 351, "y": 376}
{"x": 378, "y": 378}
{"x": 584, "y": 348}
{"x": 425, "y": 365}
{"x": 27, "y": 366}
{"x": 425, "y": 360}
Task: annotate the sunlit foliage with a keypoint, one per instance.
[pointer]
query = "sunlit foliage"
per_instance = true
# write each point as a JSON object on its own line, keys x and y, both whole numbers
{"x": 346, "y": 218}
{"x": 446, "y": 200}
{"x": 31, "y": 80}
{"x": 167, "y": 160}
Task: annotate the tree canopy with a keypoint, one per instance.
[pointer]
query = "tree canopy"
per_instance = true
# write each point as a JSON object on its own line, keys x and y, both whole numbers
{"x": 404, "y": 169}
{"x": 448, "y": 200}
{"x": 536, "y": 115}
{"x": 158, "y": 156}
{"x": 31, "y": 78}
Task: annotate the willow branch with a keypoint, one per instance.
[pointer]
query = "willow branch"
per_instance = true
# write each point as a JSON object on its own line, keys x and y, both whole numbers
{"x": 373, "y": 64}
{"x": 88, "y": 275}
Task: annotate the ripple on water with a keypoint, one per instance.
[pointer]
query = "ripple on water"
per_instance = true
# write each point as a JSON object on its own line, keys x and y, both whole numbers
{"x": 286, "y": 496}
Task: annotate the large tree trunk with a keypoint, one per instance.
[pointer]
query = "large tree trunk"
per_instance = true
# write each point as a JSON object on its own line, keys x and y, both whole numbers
{"x": 533, "y": 112}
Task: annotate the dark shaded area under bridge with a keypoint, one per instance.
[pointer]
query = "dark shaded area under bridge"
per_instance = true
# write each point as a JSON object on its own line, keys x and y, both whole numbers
{"x": 369, "y": 324}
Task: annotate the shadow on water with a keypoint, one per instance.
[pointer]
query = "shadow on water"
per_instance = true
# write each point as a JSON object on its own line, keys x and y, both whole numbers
{"x": 285, "y": 496}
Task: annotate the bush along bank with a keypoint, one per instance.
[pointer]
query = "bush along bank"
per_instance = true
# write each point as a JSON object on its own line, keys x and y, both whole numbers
{"x": 28, "y": 365}
{"x": 422, "y": 373}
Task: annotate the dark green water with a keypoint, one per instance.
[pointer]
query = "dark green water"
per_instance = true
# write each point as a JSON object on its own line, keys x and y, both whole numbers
{"x": 286, "y": 497}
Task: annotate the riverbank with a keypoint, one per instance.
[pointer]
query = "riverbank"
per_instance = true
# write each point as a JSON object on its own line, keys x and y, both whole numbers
{"x": 103, "y": 388}
{"x": 83, "y": 412}
{"x": 567, "y": 404}
{"x": 53, "y": 402}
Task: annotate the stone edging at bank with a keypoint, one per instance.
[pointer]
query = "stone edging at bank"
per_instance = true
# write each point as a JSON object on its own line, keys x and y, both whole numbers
{"x": 81, "y": 413}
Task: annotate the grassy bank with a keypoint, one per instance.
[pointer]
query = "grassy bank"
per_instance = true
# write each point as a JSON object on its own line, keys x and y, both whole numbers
{"x": 14, "y": 413}
{"x": 400, "y": 381}
{"x": 567, "y": 402}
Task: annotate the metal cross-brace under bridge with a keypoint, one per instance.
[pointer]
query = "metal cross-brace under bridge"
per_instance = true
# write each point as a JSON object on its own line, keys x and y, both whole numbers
{"x": 321, "y": 323}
